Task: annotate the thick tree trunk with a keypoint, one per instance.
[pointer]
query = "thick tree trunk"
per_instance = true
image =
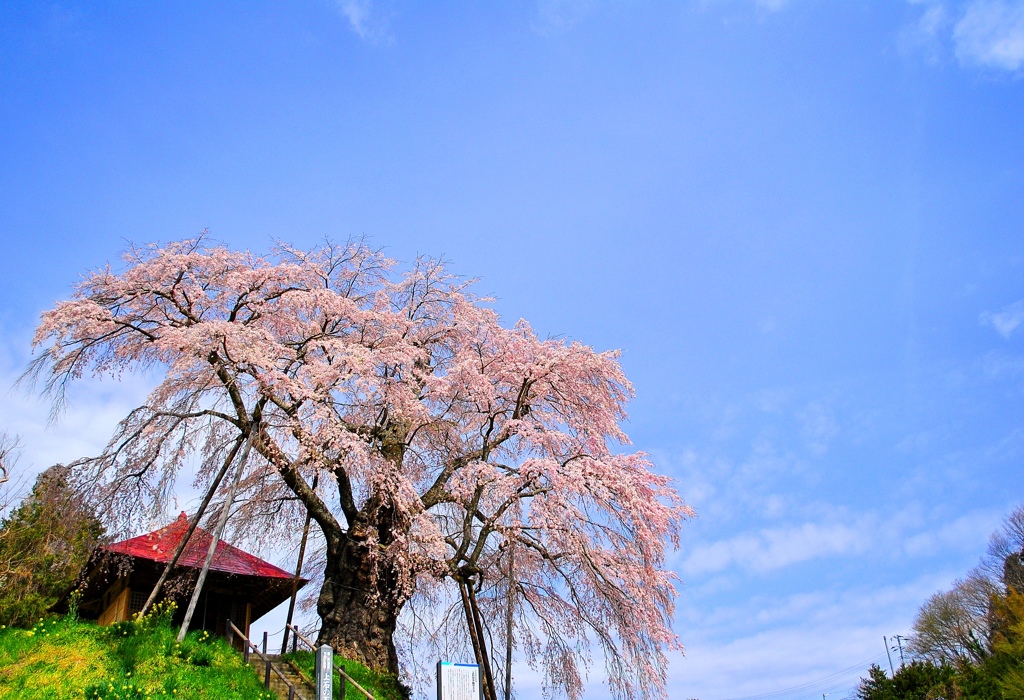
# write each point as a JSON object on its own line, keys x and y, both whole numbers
{"x": 362, "y": 592}
{"x": 358, "y": 610}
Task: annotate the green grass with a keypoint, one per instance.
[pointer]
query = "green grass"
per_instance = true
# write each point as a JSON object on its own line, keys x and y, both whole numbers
{"x": 65, "y": 659}
{"x": 381, "y": 685}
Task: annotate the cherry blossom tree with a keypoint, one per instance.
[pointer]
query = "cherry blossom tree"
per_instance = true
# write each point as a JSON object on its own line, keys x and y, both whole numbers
{"x": 444, "y": 442}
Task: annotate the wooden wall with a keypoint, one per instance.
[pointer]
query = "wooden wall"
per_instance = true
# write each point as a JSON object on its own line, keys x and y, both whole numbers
{"x": 115, "y": 602}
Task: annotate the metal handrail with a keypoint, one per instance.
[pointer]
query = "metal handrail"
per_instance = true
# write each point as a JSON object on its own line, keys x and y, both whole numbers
{"x": 339, "y": 669}
{"x": 292, "y": 692}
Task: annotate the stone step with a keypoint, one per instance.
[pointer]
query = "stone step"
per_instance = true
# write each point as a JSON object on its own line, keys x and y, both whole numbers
{"x": 303, "y": 689}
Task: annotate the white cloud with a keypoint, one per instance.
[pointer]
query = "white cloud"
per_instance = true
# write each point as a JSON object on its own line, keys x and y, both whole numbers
{"x": 910, "y": 533}
{"x": 969, "y": 532}
{"x": 981, "y": 33}
{"x": 990, "y": 34}
{"x": 556, "y": 16}
{"x": 925, "y": 36}
{"x": 765, "y": 664}
{"x": 1010, "y": 318}
{"x": 94, "y": 408}
{"x": 916, "y": 443}
{"x": 1002, "y": 366}
{"x": 818, "y": 426}
{"x": 367, "y": 20}
{"x": 81, "y": 430}
{"x": 775, "y": 548}
{"x": 772, "y": 5}
{"x": 746, "y": 648}
{"x": 761, "y": 5}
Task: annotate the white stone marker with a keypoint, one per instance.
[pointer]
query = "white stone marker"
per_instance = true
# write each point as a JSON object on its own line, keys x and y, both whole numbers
{"x": 325, "y": 673}
{"x": 459, "y": 681}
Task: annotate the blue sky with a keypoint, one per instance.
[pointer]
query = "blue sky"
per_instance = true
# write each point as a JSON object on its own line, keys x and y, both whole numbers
{"x": 800, "y": 220}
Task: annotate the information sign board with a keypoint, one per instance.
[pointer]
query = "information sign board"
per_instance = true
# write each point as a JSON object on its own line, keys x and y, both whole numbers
{"x": 459, "y": 681}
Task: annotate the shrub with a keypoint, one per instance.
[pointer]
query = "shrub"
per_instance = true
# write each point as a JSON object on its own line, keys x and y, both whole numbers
{"x": 43, "y": 545}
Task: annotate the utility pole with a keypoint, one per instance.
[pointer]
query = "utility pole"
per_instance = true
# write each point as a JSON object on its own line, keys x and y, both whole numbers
{"x": 899, "y": 641}
{"x": 886, "y": 642}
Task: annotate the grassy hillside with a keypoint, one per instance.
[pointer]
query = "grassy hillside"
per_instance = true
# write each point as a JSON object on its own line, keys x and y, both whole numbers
{"x": 67, "y": 659}
{"x": 63, "y": 658}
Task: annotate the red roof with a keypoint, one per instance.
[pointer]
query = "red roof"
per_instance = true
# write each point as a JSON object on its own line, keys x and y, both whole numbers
{"x": 159, "y": 546}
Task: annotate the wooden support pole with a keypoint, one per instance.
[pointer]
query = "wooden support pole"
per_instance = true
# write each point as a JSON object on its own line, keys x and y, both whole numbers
{"x": 298, "y": 575}
{"x": 193, "y": 523}
{"x": 510, "y": 607}
{"x": 476, "y": 633}
{"x": 228, "y": 500}
{"x": 266, "y": 680}
{"x": 491, "y": 691}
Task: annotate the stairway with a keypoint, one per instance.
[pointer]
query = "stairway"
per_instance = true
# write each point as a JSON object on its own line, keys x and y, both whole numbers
{"x": 303, "y": 688}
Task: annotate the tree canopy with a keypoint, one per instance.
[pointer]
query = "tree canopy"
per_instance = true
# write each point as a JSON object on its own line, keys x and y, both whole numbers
{"x": 447, "y": 442}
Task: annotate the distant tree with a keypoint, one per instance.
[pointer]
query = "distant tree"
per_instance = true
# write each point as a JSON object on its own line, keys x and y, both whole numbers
{"x": 972, "y": 682}
{"x": 443, "y": 441}
{"x": 955, "y": 626}
{"x": 969, "y": 640}
{"x": 1006, "y": 665}
{"x": 43, "y": 545}
{"x": 959, "y": 625}
{"x": 913, "y": 681}
{"x": 877, "y": 686}
{"x": 1004, "y": 561}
